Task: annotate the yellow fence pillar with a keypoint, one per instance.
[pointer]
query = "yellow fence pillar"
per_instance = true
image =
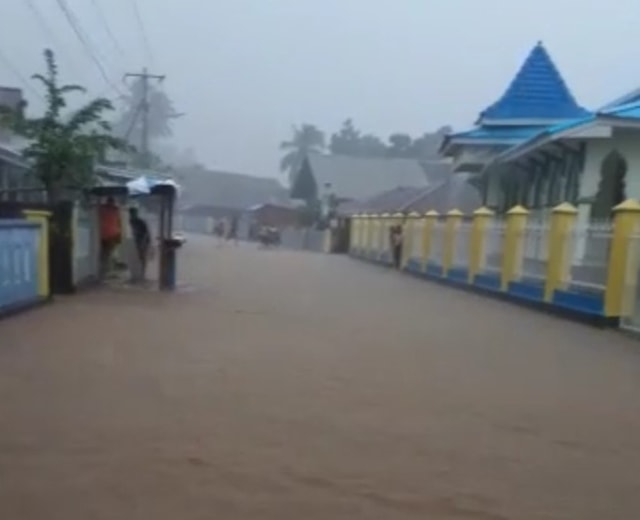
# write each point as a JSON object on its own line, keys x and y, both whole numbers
{"x": 374, "y": 240}
{"x": 513, "y": 242}
{"x": 623, "y": 260}
{"x": 366, "y": 235}
{"x": 477, "y": 251}
{"x": 559, "y": 240}
{"x": 408, "y": 233}
{"x": 384, "y": 249}
{"x": 328, "y": 240}
{"x": 454, "y": 218}
{"x": 353, "y": 233}
{"x": 430, "y": 219}
{"x": 42, "y": 218}
{"x": 397, "y": 219}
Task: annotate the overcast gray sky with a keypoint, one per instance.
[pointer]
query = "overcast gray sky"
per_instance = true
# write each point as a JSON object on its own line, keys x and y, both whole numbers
{"x": 244, "y": 71}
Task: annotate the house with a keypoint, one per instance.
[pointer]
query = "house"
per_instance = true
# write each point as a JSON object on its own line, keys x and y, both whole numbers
{"x": 357, "y": 178}
{"x": 274, "y": 215}
{"x": 536, "y": 99}
{"x": 16, "y": 181}
{"x": 208, "y": 195}
{"x": 216, "y": 188}
{"x": 10, "y": 99}
{"x": 454, "y": 192}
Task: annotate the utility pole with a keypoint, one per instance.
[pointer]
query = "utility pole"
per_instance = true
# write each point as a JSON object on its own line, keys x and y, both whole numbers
{"x": 143, "y": 108}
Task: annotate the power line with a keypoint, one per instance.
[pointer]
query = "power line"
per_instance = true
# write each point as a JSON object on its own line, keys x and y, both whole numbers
{"x": 42, "y": 22}
{"x": 9, "y": 64}
{"x": 46, "y": 28}
{"x": 107, "y": 27}
{"x": 73, "y": 22}
{"x": 143, "y": 32}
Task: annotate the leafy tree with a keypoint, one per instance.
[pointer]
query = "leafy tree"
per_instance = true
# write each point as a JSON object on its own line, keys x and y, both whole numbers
{"x": 428, "y": 145}
{"x": 161, "y": 113}
{"x": 400, "y": 145}
{"x": 346, "y": 141}
{"x": 371, "y": 146}
{"x": 350, "y": 141}
{"x": 63, "y": 148}
{"x": 304, "y": 186}
{"x": 306, "y": 139}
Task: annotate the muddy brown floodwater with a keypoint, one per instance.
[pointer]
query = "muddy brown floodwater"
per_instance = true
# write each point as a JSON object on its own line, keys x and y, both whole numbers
{"x": 297, "y": 386}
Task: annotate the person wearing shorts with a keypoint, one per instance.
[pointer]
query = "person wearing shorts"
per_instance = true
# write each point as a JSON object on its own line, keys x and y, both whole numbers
{"x": 110, "y": 233}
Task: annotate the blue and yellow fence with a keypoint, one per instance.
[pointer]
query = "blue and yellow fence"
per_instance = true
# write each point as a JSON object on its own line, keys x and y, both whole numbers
{"x": 557, "y": 259}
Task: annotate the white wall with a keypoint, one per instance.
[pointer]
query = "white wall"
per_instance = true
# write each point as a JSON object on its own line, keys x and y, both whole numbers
{"x": 627, "y": 142}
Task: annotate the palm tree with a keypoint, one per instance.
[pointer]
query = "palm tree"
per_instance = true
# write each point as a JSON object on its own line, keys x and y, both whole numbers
{"x": 306, "y": 139}
{"x": 63, "y": 148}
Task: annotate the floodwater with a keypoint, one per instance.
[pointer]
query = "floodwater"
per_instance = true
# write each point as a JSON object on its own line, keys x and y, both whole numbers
{"x": 297, "y": 386}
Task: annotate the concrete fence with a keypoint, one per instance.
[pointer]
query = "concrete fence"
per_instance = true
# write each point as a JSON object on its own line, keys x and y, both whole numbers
{"x": 20, "y": 242}
{"x": 589, "y": 268}
{"x": 85, "y": 244}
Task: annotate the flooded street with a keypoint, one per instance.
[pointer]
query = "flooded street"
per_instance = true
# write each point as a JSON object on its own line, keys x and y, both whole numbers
{"x": 296, "y": 386}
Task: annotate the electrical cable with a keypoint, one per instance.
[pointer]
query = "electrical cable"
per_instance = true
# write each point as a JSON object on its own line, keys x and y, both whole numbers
{"x": 143, "y": 32}
{"x": 40, "y": 19}
{"x": 9, "y": 64}
{"x": 73, "y": 22}
{"x": 107, "y": 27}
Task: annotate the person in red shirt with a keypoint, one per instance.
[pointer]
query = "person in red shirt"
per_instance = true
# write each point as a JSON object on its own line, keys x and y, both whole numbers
{"x": 110, "y": 233}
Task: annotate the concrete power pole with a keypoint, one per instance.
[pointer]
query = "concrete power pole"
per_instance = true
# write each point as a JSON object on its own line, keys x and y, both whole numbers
{"x": 143, "y": 108}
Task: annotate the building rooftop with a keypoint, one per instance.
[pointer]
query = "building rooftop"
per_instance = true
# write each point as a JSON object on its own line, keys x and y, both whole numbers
{"x": 205, "y": 187}
{"x": 362, "y": 177}
{"x": 628, "y": 114}
{"x": 537, "y": 92}
{"x": 454, "y": 192}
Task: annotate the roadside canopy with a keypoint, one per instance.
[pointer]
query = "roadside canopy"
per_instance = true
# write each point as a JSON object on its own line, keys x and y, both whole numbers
{"x": 145, "y": 185}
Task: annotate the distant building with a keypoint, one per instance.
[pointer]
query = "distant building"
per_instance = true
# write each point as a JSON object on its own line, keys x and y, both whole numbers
{"x": 454, "y": 192}
{"x": 11, "y": 98}
{"x": 208, "y": 195}
{"x": 356, "y": 178}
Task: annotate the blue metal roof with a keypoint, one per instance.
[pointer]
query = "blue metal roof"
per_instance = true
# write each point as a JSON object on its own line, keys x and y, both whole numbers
{"x": 628, "y": 111}
{"x": 506, "y": 133}
{"x": 537, "y": 92}
{"x": 545, "y": 135}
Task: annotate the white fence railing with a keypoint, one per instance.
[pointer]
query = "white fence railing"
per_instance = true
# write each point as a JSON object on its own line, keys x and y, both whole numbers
{"x": 494, "y": 247}
{"x": 589, "y": 247}
{"x": 436, "y": 250}
{"x": 462, "y": 245}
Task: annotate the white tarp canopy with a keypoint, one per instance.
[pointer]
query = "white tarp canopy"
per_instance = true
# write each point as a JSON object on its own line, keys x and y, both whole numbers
{"x": 144, "y": 184}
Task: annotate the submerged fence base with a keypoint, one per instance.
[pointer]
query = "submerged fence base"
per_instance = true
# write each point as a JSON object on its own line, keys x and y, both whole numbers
{"x": 585, "y": 306}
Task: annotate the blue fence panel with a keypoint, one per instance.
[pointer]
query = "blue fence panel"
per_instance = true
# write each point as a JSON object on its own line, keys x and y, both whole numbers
{"x": 532, "y": 290}
{"x": 19, "y": 242}
{"x": 582, "y": 302}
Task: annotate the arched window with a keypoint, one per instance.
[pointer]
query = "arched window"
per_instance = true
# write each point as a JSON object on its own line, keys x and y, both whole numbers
{"x": 612, "y": 187}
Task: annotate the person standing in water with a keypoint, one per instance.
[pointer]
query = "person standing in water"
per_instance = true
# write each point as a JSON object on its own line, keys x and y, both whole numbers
{"x": 110, "y": 234}
{"x": 396, "y": 245}
{"x": 141, "y": 242}
{"x": 232, "y": 230}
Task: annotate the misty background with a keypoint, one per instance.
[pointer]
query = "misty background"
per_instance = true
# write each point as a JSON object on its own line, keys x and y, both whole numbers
{"x": 244, "y": 71}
